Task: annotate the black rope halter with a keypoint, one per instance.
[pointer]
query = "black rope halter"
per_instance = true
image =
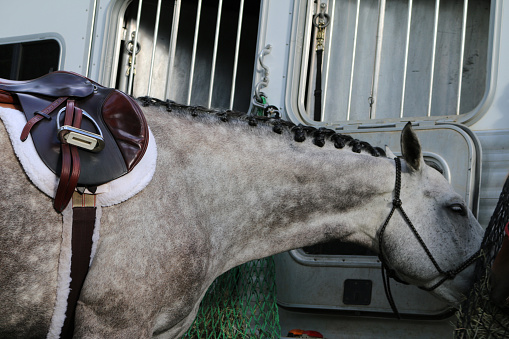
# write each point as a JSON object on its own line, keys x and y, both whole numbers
{"x": 388, "y": 273}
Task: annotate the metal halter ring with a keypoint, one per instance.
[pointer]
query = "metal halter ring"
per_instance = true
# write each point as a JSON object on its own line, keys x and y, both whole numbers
{"x": 321, "y": 20}
{"x": 80, "y": 138}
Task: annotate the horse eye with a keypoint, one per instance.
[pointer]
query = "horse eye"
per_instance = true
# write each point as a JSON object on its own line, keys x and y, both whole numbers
{"x": 458, "y": 209}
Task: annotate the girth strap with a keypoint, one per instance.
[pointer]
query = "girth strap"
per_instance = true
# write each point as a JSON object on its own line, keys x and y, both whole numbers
{"x": 83, "y": 222}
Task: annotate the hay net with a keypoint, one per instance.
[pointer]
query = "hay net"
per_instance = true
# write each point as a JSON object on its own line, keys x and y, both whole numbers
{"x": 241, "y": 303}
{"x": 478, "y": 317}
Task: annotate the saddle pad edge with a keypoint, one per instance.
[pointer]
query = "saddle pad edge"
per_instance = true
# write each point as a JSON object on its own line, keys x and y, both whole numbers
{"x": 40, "y": 175}
{"x": 133, "y": 182}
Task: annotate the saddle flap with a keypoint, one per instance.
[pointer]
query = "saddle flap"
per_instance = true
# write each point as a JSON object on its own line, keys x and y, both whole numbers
{"x": 127, "y": 124}
{"x": 56, "y": 84}
{"x": 96, "y": 168}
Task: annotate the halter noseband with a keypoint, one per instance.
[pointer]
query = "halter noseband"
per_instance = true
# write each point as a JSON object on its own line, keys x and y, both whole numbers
{"x": 388, "y": 273}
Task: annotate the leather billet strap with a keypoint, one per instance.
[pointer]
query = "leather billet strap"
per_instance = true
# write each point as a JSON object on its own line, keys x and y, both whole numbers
{"x": 39, "y": 115}
{"x": 70, "y": 157}
{"x": 83, "y": 222}
{"x": 70, "y": 172}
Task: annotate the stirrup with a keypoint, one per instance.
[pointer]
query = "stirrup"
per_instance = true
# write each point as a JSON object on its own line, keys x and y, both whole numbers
{"x": 78, "y": 137}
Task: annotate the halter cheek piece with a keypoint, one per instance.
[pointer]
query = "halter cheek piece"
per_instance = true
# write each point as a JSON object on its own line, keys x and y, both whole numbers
{"x": 388, "y": 273}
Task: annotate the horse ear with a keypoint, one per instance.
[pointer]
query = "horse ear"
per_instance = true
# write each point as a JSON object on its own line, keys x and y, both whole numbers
{"x": 389, "y": 153}
{"x": 411, "y": 148}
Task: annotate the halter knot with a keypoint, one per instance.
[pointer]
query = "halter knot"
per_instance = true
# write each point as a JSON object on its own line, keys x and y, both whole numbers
{"x": 397, "y": 202}
{"x": 450, "y": 274}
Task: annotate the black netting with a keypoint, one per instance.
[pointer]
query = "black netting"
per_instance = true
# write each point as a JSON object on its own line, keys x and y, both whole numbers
{"x": 478, "y": 317}
{"x": 241, "y": 303}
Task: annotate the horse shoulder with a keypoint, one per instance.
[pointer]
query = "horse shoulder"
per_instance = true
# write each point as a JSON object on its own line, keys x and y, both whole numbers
{"x": 30, "y": 238}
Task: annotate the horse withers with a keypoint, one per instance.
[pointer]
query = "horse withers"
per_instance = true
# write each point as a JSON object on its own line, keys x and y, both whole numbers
{"x": 227, "y": 190}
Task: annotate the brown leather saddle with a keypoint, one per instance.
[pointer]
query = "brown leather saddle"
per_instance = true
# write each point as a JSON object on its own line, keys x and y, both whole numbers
{"x": 85, "y": 133}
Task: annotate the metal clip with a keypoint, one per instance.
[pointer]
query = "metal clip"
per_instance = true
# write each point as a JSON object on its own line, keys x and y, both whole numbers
{"x": 264, "y": 82}
{"x": 80, "y": 138}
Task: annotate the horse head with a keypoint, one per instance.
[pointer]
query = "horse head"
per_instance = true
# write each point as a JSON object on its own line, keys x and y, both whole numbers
{"x": 431, "y": 238}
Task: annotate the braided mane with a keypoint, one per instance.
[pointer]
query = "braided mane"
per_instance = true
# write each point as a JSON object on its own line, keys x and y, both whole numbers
{"x": 300, "y": 132}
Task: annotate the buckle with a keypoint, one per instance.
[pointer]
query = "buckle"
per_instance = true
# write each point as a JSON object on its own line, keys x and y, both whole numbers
{"x": 79, "y": 137}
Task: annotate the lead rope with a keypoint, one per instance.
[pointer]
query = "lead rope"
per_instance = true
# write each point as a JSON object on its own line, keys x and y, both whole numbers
{"x": 386, "y": 276}
{"x": 387, "y": 288}
{"x": 320, "y": 21}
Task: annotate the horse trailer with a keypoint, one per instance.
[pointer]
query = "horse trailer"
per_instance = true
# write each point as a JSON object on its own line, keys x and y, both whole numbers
{"x": 361, "y": 67}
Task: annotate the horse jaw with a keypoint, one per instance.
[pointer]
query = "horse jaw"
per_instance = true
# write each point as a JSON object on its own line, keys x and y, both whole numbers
{"x": 451, "y": 245}
{"x": 456, "y": 290}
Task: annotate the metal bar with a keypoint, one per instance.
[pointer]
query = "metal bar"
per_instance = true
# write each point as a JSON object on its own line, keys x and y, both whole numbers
{"x": 154, "y": 45}
{"x": 328, "y": 57}
{"x": 353, "y": 61}
{"x": 305, "y": 86}
{"x": 236, "y": 58}
{"x": 433, "y": 53}
{"x": 378, "y": 58}
{"x": 17, "y": 51}
{"x": 135, "y": 43}
{"x": 462, "y": 52}
{"x": 405, "y": 63}
{"x": 91, "y": 40}
{"x": 173, "y": 46}
{"x": 193, "y": 57}
{"x": 214, "y": 53}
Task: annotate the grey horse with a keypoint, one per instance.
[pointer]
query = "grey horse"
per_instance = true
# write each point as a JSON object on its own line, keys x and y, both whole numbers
{"x": 224, "y": 192}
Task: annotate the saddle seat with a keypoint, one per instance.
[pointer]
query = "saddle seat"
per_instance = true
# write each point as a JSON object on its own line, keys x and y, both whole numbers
{"x": 56, "y": 84}
{"x": 107, "y": 113}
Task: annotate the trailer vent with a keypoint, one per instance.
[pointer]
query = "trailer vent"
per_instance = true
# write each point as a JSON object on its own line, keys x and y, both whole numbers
{"x": 357, "y": 292}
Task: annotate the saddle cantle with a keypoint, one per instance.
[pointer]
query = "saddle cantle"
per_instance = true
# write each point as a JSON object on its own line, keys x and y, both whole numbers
{"x": 64, "y": 109}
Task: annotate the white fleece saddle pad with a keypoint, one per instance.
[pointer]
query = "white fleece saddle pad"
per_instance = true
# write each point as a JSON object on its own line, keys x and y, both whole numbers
{"x": 43, "y": 178}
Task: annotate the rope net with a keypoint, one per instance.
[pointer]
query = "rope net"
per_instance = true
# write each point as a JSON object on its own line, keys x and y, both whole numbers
{"x": 478, "y": 317}
{"x": 241, "y": 303}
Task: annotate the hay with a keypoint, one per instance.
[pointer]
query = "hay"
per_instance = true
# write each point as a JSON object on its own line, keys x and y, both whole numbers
{"x": 482, "y": 318}
{"x": 478, "y": 317}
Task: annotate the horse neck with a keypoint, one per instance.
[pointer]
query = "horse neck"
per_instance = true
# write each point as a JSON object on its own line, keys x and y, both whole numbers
{"x": 276, "y": 194}
{"x": 316, "y": 206}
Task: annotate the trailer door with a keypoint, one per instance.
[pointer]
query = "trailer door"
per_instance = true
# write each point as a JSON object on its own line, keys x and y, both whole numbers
{"x": 385, "y": 63}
